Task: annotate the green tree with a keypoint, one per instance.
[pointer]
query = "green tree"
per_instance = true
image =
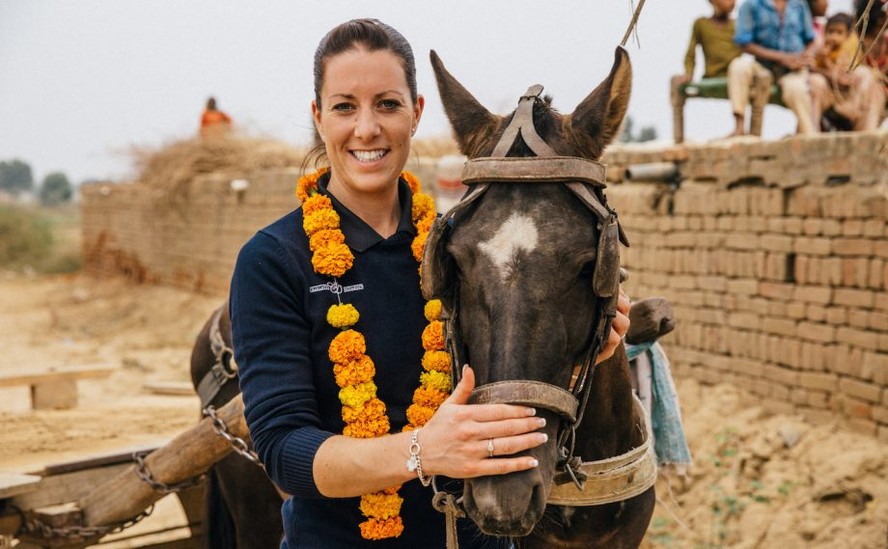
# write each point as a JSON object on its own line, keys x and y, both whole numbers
{"x": 627, "y": 135}
{"x": 16, "y": 177}
{"x": 55, "y": 189}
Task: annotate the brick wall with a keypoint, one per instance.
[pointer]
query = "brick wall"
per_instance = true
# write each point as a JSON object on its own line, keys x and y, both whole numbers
{"x": 773, "y": 254}
{"x": 775, "y": 258}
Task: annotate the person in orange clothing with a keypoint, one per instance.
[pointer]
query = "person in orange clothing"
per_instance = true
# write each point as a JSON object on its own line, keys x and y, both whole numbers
{"x": 214, "y": 121}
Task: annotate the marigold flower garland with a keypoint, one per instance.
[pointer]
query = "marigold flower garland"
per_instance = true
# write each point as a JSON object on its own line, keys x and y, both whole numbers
{"x": 363, "y": 412}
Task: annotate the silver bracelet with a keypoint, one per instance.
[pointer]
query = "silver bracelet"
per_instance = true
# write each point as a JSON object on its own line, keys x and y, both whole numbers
{"x": 414, "y": 463}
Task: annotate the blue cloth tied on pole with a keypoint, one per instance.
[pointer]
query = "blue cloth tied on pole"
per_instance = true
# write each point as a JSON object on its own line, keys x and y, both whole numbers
{"x": 656, "y": 390}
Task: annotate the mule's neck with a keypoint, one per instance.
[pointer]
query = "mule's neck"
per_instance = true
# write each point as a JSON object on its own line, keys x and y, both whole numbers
{"x": 610, "y": 426}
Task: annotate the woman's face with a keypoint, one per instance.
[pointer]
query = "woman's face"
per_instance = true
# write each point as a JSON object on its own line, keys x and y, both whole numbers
{"x": 366, "y": 119}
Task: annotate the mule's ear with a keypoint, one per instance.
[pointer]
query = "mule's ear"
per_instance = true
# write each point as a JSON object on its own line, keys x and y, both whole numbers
{"x": 471, "y": 122}
{"x": 601, "y": 113}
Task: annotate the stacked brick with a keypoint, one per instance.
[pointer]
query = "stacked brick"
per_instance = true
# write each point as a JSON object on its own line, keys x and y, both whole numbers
{"x": 189, "y": 238}
{"x": 776, "y": 263}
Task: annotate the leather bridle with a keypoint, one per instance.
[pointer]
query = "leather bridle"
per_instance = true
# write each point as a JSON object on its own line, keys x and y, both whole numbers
{"x": 585, "y": 179}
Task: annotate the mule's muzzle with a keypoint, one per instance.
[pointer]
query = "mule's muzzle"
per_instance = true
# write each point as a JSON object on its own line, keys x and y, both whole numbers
{"x": 508, "y": 505}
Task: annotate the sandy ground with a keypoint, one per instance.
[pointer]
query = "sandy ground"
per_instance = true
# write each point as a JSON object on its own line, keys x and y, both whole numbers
{"x": 759, "y": 481}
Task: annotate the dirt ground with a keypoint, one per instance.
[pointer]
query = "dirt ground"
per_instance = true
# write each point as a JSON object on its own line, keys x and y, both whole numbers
{"x": 758, "y": 481}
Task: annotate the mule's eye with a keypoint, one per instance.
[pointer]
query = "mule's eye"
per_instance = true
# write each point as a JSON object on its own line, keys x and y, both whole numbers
{"x": 587, "y": 270}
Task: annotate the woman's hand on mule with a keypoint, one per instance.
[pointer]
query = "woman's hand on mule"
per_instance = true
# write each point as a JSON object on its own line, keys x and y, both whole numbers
{"x": 457, "y": 441}
{"x": 619, "y": 327}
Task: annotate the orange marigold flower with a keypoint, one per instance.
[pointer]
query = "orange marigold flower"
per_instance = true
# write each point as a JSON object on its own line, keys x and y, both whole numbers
{"x": 381, "y": 505}
{"x": 436, "y": 380}
{"x": 418, "y": 244}
{"x": 424, "y": 225}
{"x": 373, "y": 408}
{"x": 433, "y": 336}
{"x": 392, "y": 489}
{"x": 316, "y": 203}
{"x": 356, "y": 395}
{"x": 342, "y": 315}
{"x": 412, "y": 182}
{"x": 347, "y": 346}
{"x": 353, "y": 372}
{"x": 429, "y": 397}
{"x": 325, "y": 237}
{"x": 438, "y": 361}
{"x": 419, "y": 415}
{"x": 308, "y": 184}
{"x": 432, "y": 309}
{"x": 333, "y": 260}
{"x": 371, "y": 428}
{"x": 382, "y": 529}
{"x": 320, "y": 220}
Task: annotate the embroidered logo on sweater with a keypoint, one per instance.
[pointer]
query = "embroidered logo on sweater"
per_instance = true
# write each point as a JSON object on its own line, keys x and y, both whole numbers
{"x": 335, "y": 288}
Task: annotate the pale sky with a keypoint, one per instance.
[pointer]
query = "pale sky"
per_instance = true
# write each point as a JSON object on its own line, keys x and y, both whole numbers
{"x": 83, "y": 81}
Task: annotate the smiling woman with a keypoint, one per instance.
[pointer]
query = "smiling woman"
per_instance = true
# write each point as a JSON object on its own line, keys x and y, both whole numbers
{"x": 331, "y": 333}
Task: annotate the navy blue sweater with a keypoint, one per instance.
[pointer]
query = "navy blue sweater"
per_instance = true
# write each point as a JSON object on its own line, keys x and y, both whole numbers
{"x": 281, "y": 336}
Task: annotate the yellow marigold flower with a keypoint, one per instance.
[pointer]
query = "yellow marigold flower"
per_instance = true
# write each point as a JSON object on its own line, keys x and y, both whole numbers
{"x": 438, "y": 361}
{"x": 320, "y": 220}
{"x": 315, "y": 204}
{"x": 381, "y": 505}
{"x": 342, "y": 315}
{"x": 382, "y": 529}
{"x": 423, "y": 205}
{"x": 373, "y": 408}
{"x": 347, "y": 346}
{"x": 356, "y": 371}
{"x": 429, "y": 397}
{"x": 419, "y": 415}
{"x": 325, "y": 237}
{"x": 333, "y": 260}
{"x": 436, "y": 380}
{"x": 433, "y": 336}
{"x": 308, "y": 184}
{"x": 432, "y": 309}
{"x": 412, "y": 182}
{"x": 356, "y": 395}
{"x": 418, "y": 244}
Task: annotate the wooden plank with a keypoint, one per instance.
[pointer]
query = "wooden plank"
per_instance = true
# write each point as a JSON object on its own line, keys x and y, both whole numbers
{"x": 189, "y": 454}
{"x": 67, "y": 487}
{"x": 175, "y": 388}
{"x": 123, "y": 455}
{"x": 13, "y": 484}
{"x": 51, "y": 374}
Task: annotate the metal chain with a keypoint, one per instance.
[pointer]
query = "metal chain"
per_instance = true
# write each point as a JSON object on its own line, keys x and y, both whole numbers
{"x": 240, "y": 445}
{"x": 145, "y": 474}
{"x": 35, "y": 526}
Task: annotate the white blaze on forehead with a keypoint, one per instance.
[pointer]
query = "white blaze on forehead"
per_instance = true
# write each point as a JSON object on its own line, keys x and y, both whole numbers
{"x": 516, "y": 234}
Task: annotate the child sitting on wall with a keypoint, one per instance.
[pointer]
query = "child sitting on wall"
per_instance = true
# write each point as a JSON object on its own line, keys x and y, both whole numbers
{"x": 856, "y": 95}
{"x": 715, "y": 36}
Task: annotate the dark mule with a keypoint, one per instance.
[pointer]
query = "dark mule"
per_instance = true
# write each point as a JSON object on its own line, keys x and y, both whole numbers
{"x": 243, "y": 508}
{"x": 527, "y": 267}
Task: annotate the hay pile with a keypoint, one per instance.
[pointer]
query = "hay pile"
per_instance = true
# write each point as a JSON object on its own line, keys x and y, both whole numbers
{"x": 169, "y": 170}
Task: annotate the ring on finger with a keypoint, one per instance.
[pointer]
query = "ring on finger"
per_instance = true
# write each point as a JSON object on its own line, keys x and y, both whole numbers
{"x": 490, "y": 448}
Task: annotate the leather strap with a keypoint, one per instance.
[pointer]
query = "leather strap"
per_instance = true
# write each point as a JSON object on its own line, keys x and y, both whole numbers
{"x": 223, "y": 370}
{"x": 528, "y": 393}
{"x": 534, "y": 169}
{"x": 613, "y": 479}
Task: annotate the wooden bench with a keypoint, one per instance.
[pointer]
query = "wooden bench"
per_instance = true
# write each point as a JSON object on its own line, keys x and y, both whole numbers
{"x": 763, "y": 92}
{"x": 55, "y": 388}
